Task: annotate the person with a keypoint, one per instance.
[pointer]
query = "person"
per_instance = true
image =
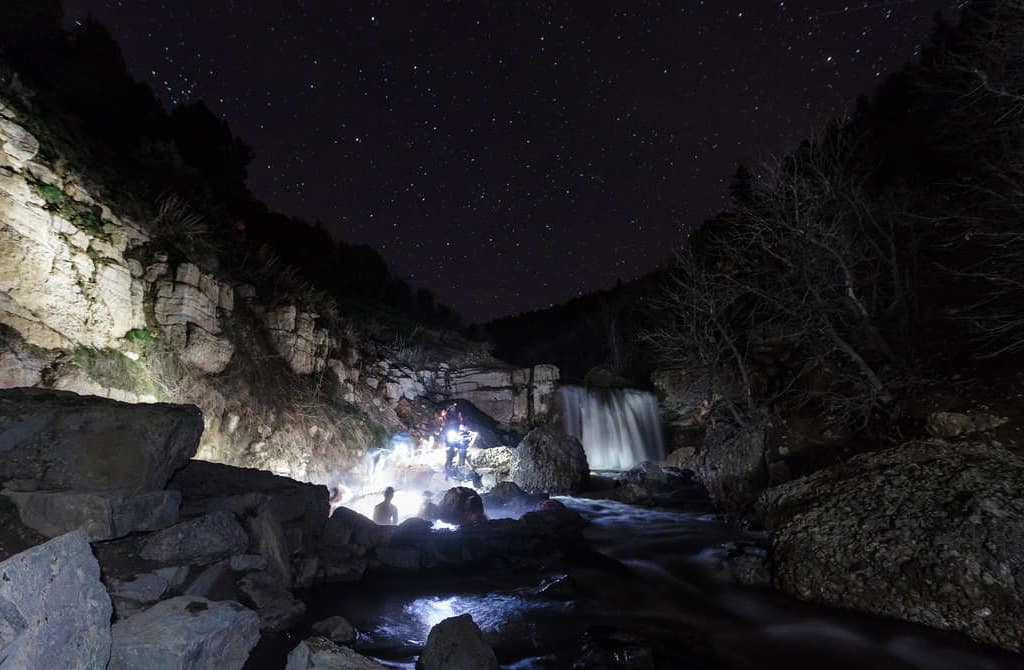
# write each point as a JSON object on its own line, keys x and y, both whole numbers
{"x": 385, "y": 513}
{"x": 451, "y": 433}
{"x": 429, "y": 510}
{"x": 340, "y": 495}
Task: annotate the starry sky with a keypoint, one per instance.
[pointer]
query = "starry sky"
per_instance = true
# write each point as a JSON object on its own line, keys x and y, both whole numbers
{"x": 510, "y": 155}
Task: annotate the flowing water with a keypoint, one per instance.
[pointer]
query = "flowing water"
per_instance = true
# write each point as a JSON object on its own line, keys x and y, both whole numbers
{"x": 619, "y": 428}
{"x": 670, "y": 595}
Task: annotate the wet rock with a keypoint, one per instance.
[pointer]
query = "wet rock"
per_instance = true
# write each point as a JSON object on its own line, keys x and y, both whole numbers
{"x": 64, "y": 441}
{"x": 457, "y": 644}
{"x": 198, "y": 541}
{"x": 337, "y": 629}
{"x": 563, "y": 587}
{"x": 507, "y": 499}
{"x": 930, "y": 532}
{"x": 319, "y": 653}
{"x": 104, "y": 516}
{"x": 185, "y": 633}
{"x": 731, "y": 465}
{"x": 461, "y": 505}
{"x": 747, "y": 563}
{"x": 277, "y": 607}
{"x": 955, "y": 424}
{"x": 647, "y": 473}
{"x": 550, "y": 461}
{"x": 54, "y": 612}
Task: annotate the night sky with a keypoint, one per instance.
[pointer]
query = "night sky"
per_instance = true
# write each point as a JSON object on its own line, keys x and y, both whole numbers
{"x": 511, "y": 155}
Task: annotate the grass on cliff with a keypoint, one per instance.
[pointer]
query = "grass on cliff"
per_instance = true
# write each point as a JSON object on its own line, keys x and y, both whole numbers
{"x": 82, "y": 216}
{"x": 111, "y": 368}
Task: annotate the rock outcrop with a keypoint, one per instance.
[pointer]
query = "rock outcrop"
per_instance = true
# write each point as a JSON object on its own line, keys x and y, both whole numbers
{"x": 185, "y": 633}
{"x": 62, "y": 441}
{"x": 549, "y": 461}
{"x": 319, "y": 653}
{"x": 54, "y": 612}
{"x": 516, "y": 398}
{"x": 457, "y": 644}
{"x": 929, "y": 532}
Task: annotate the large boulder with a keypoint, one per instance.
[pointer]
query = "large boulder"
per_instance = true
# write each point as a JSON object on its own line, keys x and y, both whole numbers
{"x": 185, "y": 633}
{"x": 928, "y": 532}
{"x": 457, "y": 644}
{"x": 319, "y": 653}
{"x": 461, "y": 505}
{"x": 63, "y": 441}
{"x": 197, "y": 541}
{"x": 284, "y": 517}
{"x": 550, "y": 461}
{"x": 54, "y": 612}
{"x": 731, "y": 465}
{"x": 104, "y": 516}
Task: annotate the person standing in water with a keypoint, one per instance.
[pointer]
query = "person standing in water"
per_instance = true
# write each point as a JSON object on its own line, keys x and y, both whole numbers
{"x": 385, "y": 513}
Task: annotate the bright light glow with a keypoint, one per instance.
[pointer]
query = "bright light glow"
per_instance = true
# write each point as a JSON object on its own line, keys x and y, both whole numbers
{"x": 453, "y": 436}
{"x": 443, "y": 525}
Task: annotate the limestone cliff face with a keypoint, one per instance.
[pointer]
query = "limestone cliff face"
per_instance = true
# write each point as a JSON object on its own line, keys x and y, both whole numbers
{"x": 92, "y": 301}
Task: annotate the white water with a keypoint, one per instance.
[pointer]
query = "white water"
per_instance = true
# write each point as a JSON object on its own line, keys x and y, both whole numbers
{"x": 619, "y": 428}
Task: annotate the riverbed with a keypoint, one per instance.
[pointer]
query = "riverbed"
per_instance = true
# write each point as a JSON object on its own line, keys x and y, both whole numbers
{"x": 656, "y": 595}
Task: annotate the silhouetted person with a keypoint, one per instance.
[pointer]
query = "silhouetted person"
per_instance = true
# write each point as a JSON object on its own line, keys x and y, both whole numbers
{"x": 429, "y": 510}
{"x": 385, "y": 513}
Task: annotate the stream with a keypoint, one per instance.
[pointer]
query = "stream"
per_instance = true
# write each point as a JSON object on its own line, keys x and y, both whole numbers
{"x": 669, "y": 607}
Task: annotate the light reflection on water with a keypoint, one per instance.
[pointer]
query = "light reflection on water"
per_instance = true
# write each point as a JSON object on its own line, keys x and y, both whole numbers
{"x": 493, "y": 613}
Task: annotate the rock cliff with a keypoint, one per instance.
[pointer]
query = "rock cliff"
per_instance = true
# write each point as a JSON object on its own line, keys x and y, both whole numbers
{"x": 98, "y": 301}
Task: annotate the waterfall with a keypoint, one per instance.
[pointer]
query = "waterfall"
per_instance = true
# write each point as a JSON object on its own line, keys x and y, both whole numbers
{"x": 619, "y": 428}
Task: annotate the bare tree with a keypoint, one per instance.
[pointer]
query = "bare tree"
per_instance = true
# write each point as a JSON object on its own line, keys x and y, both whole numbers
{"x": 796, "y": 278}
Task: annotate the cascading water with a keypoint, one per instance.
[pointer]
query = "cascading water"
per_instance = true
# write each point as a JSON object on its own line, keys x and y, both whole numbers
{"x": 619, "y": 428}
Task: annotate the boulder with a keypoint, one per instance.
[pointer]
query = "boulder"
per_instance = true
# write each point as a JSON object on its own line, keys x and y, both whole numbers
{"x": 461, "y": 505}
{"x": 284, "y": 517}
{"x": 731, "y": 465}
{"x": 955, "y": 424}
{"x": 550, "y": 461}
{"x": 277, "y": 607}
{"x": 64, "y": 441}
{"x": 319, "y": 653}
{"x": 185, "y": 633}
{"x": 337, "y": 629}
{"x": 498, "y": 459}
{"x": 104, "y": 516}
{"x": 197, "y": 541}
{"x": 133, "y": 595}
{"x": 457, "y": 644}
{"x": 54, "y": 612}
{"x": 930, "y": 532}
